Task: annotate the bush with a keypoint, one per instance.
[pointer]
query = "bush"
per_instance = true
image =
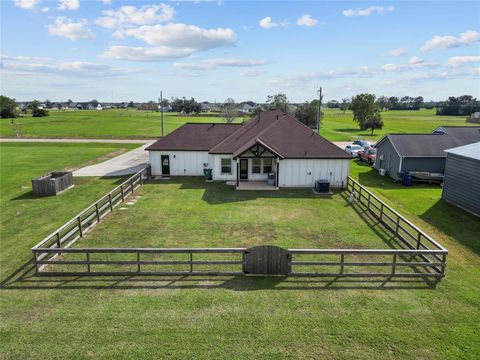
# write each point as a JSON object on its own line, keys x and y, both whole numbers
{"x": 39, "y": 112}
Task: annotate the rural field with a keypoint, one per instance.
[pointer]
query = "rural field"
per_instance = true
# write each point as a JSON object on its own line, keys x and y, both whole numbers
{"x": 235, "y": 317}
{"x": 121, "y": 123}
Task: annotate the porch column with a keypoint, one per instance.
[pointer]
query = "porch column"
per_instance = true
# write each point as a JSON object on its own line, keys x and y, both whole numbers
{"x": 238, "y": 173}
{"x": 276, "y": 175}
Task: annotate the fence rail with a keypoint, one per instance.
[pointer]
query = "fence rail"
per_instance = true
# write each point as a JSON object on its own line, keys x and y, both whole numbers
{"x": 81, "y": 223}
{"x": 423, "y": 257}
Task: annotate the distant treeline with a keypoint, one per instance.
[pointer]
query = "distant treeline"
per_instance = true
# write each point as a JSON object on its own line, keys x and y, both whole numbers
{"x": 463, "y": 105}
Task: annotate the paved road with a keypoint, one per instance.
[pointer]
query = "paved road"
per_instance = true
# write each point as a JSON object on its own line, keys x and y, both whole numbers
{"x": 108, "y": 141}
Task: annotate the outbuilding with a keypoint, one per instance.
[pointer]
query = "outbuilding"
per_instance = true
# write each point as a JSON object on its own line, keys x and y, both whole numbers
{"x": 271, "y": 145}
{"x": 397, "y": 153}
{"x": 461, "y": 185}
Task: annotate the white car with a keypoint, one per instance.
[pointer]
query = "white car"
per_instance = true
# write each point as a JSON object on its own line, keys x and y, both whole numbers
{"x": 353, "y": 149}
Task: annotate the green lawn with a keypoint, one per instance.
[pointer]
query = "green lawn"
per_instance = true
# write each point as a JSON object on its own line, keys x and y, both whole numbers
{"x": 229, "y": 317}
{"x": 112, "y": 123}
{"x": 121, "y": 123}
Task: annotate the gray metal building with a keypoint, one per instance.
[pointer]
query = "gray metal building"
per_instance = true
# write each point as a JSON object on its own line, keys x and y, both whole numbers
{"x": 461, "y": 185}
{"x": 397, "y": 153}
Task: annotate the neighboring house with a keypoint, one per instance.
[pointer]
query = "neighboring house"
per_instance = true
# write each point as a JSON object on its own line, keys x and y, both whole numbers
{"x": 397, "y": 153}
{"x": 461, "y": 185}
{"x": 246, "y": 107}
{"x": 206, "y": 106}
{"x": 99, "y": 107}
{"x": 270, "y": 142}
{"x": 474, "y": 118}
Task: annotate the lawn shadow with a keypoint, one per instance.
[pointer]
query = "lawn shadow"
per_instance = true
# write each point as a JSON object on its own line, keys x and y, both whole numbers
{"x": 447, "y": 217}
{"x": 24, "y": 279}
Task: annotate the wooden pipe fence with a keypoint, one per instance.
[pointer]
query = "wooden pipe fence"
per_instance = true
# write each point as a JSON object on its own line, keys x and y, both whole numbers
{"x": 422, "y": 256}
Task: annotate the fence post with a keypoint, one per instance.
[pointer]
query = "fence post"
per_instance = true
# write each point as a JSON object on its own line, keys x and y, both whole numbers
{"x": 97, "y": 211}
{"x": 138, "y": 262}
{"x": 342, "y": 263}
{"x": 397, "y": 225}
{"x": 123, "y": 195}
{"x": 35, "y": 261}
{"x": 444, "y": 263}
{"x": 381, "y": 210}
{"x": 88, "y": 261}
{"x": 80, "y": 225}
{"x": 191, "y": 263}
{"x": 58, "y": 239}
{"x": 394, "y": 264}
{"x": 110, "y": 201}
{"x": 369, "y": 201}
{"x": 131, "y": 183}
{"x": 419, "y": 237}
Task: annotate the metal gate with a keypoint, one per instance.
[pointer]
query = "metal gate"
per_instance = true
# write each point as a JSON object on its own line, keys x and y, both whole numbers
{"x": 267, "y": 260}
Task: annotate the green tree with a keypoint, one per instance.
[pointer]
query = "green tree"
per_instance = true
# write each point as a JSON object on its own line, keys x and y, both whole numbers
{"x": 278, "y": 102}
{"x": 307, "y": 113}
{"x": 365, "y": 110}
{"x": 374, "y": 122}
{"x": 8, "y": 107}
{"x": 36, "y": 111}
{"x": 228, "y": 110}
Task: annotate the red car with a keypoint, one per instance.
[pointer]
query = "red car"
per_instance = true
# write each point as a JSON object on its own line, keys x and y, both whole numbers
{"x": 368, "y": 155}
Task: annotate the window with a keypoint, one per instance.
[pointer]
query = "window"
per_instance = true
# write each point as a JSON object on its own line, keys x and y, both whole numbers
{"x": 267, "y": 165}
{"x": 256, "y": 166}
{"x": 226, "y": 166}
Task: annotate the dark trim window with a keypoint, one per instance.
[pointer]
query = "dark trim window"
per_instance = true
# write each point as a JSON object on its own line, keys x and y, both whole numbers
{"x": 256, "y": 166}
{"x": 226, "y": 166}
{"x": 267, "y": 165}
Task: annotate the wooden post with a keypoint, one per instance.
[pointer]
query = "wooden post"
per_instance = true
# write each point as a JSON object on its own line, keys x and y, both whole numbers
{"x": 394, "y": 265}
{"x": 419, "y": 238}
{"x": 342, "y": 263}
{"x": 131, "y": 183}
{"x": 444, "y": 263}
{"x": 191, "y": 263}
{"x": 381, "y": 211}
{"x": 397, "y": 226}
{"x": 80, "y": 225}
{"x": 369, "y": 200}
{"x": 123, "y": 195}
{"x": 110, "y": 201}
{"x": 243, "y": 261}
{"x": 138, "y": 262}
{"x": 35, "y": 261}
{"x": 88, "y": 261}
{"x": 97, "y": 211}
{"x": 59, "y": 244}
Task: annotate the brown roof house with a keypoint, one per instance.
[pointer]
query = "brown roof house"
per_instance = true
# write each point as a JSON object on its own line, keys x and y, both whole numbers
{"x": 272, "y": 145}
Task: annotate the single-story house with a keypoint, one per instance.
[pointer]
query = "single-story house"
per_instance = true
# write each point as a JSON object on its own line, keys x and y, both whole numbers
{"x": 461, "y": 185}
{"x": 397, "y": 153}
{"x": 272, "y": 143}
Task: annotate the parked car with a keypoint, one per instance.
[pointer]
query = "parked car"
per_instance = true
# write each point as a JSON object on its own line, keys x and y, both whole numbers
{"x": 363, "y": 143}
{"x": 353, "y": 149}
{"x": 368, "y": 155}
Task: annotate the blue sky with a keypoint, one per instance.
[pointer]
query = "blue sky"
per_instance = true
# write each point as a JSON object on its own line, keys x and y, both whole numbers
{"x": 114, "y": 50}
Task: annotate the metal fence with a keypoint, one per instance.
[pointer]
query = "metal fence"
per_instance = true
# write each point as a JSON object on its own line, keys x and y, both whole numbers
{"x": 421, "y": 257}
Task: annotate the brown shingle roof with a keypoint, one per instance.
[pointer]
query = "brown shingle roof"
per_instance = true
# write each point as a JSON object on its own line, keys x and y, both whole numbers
{"x": 195, "y": 136}
{"x": 273, "y": 129}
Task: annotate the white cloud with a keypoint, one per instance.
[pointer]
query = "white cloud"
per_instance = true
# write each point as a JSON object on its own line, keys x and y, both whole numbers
{"x": 457, "y": 61}
{"x": 68, "y": 5}
{"x": 268, "y": 23}
{"x": 128, "y": 16}
{"x": 414, "y": 60}
{"x": 171, "y": 41}
{"x": 397, "y": 52}
{"x": 106, "y": 2}
{"x": 26, "y": 4}
{"x": 307, "y": 20}
{"x": 368, "y": 11}
{"x": 69, "y": 29}
{"x": 212, "y": 64}
{"x": 250, "y": 73}
{"x": 413, "y": 64}
{"x": 44, "y": 9}
{"x": 466, "y": 38}
{"x": 37, "y": 65}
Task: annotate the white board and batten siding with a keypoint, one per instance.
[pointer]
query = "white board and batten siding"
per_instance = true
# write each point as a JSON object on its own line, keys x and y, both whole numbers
{"x": 182, "y": 163}
{"x": 217, "y": 168}
{"x": 304, "y": 172}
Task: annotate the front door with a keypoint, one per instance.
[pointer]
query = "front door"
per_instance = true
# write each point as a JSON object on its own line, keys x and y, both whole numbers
{"x": 243, "y": 169}
{"x": 165, "y": 165}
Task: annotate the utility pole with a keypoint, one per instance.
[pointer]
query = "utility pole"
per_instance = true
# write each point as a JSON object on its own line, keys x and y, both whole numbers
{"x": 319, "y": 112}
{"x": 161, "y": 110}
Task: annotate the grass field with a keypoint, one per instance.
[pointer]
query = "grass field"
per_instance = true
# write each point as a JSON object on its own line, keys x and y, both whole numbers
{"x": 208, "y": 317}
{"x": 120, "y": 123}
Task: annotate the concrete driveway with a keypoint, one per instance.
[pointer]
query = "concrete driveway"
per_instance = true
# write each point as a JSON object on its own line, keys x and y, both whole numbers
{"x": 125, "y": 164}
